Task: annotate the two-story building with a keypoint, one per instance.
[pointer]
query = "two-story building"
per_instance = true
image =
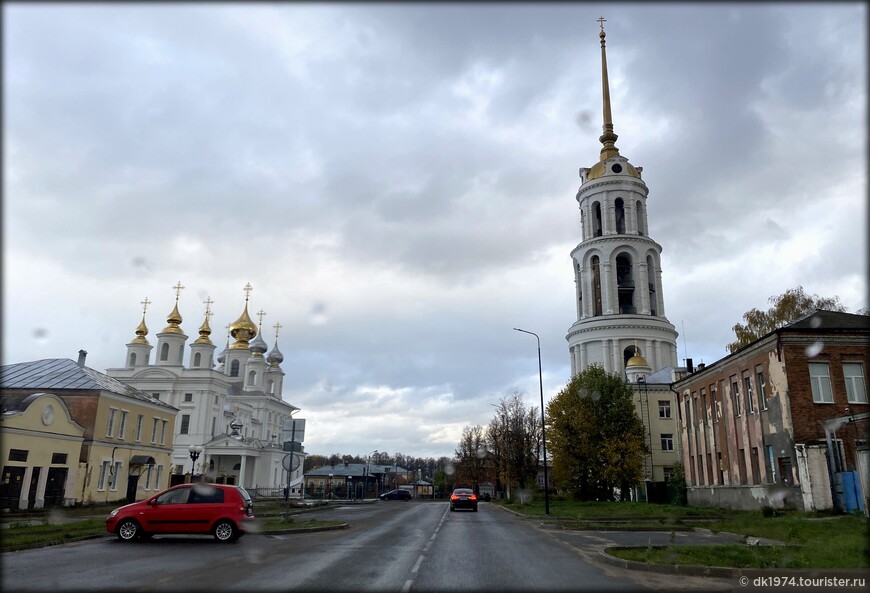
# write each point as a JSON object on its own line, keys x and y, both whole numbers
{"x": 783, "y": 421}
{"x": 74, "y": 435}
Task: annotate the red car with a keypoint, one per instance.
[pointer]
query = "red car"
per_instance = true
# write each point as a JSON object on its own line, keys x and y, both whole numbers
{"x": 221, "y": 510}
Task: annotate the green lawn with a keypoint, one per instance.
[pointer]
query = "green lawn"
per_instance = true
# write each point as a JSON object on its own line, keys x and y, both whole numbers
{"x": 813, "y": 540}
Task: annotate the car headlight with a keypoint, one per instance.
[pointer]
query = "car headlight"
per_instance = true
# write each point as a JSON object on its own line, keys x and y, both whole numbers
{"x": 113, "y": 513}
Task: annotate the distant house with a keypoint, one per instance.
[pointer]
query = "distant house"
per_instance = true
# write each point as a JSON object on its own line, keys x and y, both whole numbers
{"x": 354, "y": 480}
{"x": 782, "y": 422}
{"x": 107, "y": 442}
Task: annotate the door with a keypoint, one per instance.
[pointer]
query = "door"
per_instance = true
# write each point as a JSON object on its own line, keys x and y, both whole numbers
{"x": 132, "y": 485}
{"x": 168, "y": 513}
{"x": 10, "y": 486}
{"x": 55, "y": 486}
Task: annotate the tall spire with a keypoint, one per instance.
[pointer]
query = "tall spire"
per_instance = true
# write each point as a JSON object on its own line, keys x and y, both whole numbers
{"x": 608, "y": 138}
{"x": 142, "y": 330}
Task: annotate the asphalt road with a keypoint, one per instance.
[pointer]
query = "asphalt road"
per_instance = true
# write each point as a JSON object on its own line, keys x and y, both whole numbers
{"x": 390, "y": 546}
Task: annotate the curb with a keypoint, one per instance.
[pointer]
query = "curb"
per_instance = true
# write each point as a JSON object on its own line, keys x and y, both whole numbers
{"x": 688, "y": 570}
{"x": 302, "y": 530}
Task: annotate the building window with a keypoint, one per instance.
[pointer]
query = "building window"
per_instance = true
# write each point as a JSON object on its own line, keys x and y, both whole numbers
{"x": 58, "y": 458}
{"x": 116, "y": 476}
{"x": 667, "y": 442}
{"x": 664, "y": 408}
{"x": 188, "y": 397}
{"x": 747, "y": 386}
{"x": 164, "y": 352}
{"x": 132, "y": 359}
{"x": 695, "y": 416}
{"x": 185, "y": 424}
{"x": 162, "y": 432}
{"x": 668, "y": 472}
{"x": 154, "y": 430}
{"x": 196, "y": 359}
{"x": 234, "y": 368}
{"x": 856, "y": 392}
{"x": 762, "y": 387}
{"x": 122, "y": 429}
{"x": 155, "y": 395}
{"x": 820, "y": 381}
{"x": 714, "y": 406}
{"x": 213, "y": 423}
{"x": 704, "y": 407}
{"x": 110, "y": 428}
{"x": 139, "y": 428}
{"x": 735, "y": 397}
{"x": 157, "y": 477}
{"x": 148, "y": 478}
{"x": 18, "y": 454}
{"x": 104, "y": 470}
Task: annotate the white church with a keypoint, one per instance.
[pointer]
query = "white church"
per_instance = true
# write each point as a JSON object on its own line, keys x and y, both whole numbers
{"x": 233, "y": 425}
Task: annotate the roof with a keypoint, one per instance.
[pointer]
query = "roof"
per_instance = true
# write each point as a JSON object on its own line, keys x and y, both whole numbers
{"x": 355, "y": 470}
{"x": 53, "y": 374}
{"x": 829, "y": 320}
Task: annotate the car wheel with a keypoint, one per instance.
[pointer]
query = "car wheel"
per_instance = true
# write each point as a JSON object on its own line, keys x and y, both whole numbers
{"x": 225, "y": 531}
{"x": 128, "y": 530}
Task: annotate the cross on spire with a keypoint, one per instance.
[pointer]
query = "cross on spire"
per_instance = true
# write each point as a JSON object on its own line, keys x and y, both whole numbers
{"x": 601, "y": 20}
{"x": 178, "y": 288}
{"x": 208, "y": 312}
{"x": 145, "y": 304}
{"x": 261, "y": 314}
{"x": 277, "y": 327}
{"x": 248, "y": 288}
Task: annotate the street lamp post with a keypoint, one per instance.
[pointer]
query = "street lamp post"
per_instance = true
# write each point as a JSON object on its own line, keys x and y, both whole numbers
{"x": 195, "y": 451}
{"x": 543, "y": 422}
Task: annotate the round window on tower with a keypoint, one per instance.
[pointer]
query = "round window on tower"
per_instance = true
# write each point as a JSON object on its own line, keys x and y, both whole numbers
{"x": 617, "y": 168}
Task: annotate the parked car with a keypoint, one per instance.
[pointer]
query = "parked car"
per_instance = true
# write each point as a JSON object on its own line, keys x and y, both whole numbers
{"x": 463, "y": 498}
{"x": 221, "y": 510}
{"x": 396, "y": 495}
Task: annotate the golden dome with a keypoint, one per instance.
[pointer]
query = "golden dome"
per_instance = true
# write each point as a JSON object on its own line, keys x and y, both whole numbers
{"x": 243, "y": 330}
{"x": 174, "y": 319}
{"x": 204, "y": 332}
{"x": 601, "y": 167}
{"x": 141, "y": 332}
{"x": 637, "y": 360}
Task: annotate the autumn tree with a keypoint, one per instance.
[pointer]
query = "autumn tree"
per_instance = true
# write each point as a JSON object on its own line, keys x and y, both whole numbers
{"x": 514, "y": 440}
{"x": 787, "y": 307}
{"x": 470, "y": 456}
{"x": 595, "y": 436}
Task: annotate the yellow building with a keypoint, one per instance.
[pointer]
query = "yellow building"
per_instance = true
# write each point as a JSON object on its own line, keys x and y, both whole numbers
{"x": 125, "y": 444}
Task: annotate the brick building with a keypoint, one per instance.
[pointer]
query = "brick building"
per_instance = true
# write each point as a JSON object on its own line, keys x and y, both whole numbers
{"x": 782, "y": 422}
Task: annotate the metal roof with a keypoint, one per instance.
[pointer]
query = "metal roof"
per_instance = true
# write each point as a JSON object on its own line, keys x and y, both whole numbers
{"x": 355, "y": 470}
{"x": 52, "y": 374}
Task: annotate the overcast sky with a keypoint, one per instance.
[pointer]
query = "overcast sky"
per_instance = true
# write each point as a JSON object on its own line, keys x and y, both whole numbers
{"x": 397, "y": 182}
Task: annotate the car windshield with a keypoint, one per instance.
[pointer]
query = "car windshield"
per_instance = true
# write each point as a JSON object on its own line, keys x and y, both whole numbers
{"x": 463, "y": 491}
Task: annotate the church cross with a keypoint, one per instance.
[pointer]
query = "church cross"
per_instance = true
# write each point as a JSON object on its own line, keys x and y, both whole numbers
{"x": 277, "y": 327}
{"x": 261, "y": 314}
{"x": 145, "y": 304}
{"x": 178, "y": 288}
{"x": 208, "y": 311}
{"x": 248, "y": 288}
{"x": 601, "y": 20}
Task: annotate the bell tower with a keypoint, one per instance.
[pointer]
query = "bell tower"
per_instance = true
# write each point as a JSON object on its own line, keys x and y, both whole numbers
{"x": 617, "y": 265}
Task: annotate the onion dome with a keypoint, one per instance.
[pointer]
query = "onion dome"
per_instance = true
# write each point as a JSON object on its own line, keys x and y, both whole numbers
{"x": 258, "y": 346}
{"x": 243, "y": 329}
{"x": 637, "y": 360}
{"x": 174, "y": 318}
{"x": 141, "y": 332}
{"x": 205, "y": 329}
{"x": 275, "y": 357}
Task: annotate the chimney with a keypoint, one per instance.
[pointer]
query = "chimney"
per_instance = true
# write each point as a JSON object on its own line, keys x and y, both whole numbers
{"x": 82, "y": 355}
{"x": 690, "y": 368}
{"x": 701, "y": 366}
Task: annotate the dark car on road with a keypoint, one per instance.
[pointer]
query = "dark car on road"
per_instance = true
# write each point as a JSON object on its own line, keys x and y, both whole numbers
{"x": 396, "y": 495}
{"x": 463, "y": 498}
{"x": 222, "y": 510}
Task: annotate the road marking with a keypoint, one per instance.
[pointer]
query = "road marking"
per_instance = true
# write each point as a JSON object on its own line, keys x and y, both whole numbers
{"x": 417, "y": 565}
{"x": 407, "y": 586}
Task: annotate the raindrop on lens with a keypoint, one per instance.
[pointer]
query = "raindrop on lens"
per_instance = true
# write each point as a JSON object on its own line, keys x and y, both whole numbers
{"x": 814, "y": 349}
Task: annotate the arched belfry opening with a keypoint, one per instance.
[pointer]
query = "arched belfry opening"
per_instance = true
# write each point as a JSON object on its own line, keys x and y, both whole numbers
{"x": 619, "y": 211}
{"x": 651, "y": 284}
{"x": 596, "y": 220}
{"x": 628, "y": 352}
{"x": 596, "y": 286}
{"x": 625, "y": 283}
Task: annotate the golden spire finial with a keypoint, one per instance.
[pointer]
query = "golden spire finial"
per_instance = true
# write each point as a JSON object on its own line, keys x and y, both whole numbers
{"x": 174, "y": 319}
{"x": 142, "y": 329}
{"x": 205, "y": 329}
{"x": 145, "y": 304}
{"x": 248, "y": 288}
{"x": 608, "y": 138}
{"x": 178, "y": 288}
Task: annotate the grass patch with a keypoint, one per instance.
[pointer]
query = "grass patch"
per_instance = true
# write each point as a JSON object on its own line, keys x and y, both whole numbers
{"x": 624, "y": 510}
{"x": 20, "y": 535}
{"x": 729, "y": 555}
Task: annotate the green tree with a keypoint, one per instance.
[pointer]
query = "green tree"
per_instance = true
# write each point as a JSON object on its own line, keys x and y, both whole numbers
{"x": 595, "y": 436}
{"x": 514, "y": 439}
{"x": 787, "y": 307}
